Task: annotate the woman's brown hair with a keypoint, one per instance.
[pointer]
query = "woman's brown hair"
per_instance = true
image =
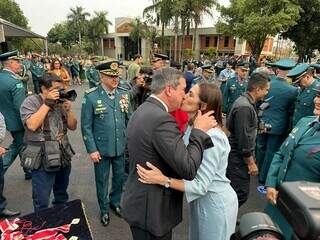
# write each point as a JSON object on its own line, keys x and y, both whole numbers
{"x": 55, "y": 60}
{"x": 211, "y": 95}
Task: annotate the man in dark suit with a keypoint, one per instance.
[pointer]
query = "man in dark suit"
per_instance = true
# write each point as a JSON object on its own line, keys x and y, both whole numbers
{"x": 189, "y": 76}
{"x": 152, "y": 211}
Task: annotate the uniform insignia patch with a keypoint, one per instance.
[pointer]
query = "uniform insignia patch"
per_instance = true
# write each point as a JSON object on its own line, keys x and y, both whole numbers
{"x": 294, "y": 130}
{"x": 19, "y": 85}
{"x": 84, "y": 100}
{"x": 90, "y": 90}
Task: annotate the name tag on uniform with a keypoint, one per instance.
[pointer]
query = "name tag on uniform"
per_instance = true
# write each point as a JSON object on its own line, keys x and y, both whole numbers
{"x": 19, "y": 85}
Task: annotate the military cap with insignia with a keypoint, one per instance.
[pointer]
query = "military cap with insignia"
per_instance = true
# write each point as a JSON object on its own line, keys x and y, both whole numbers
{"x": 207, "y": 68}
{"x": 158, "y": 57}
{"x": 10, "y": 55}
{"x": 109, "y": 68}
{"x": 94, "y": 58}
{"x": 285, "y": 64}
{"x": 299, "y": 71}
{"x": 243, "y": 65}
{"x": 34, "y": 55}
{"x": 269, "y": 64}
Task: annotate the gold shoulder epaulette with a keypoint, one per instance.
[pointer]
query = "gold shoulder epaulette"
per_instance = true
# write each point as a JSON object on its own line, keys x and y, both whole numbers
{"x": 90, "y": 90}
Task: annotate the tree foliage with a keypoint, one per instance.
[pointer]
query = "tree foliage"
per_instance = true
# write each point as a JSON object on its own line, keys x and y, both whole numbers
{"x": 10, "y": 11}
{"x": 305, "y": 34}
{"x": 254, "y": 20}
{"x": 78, "y": 29}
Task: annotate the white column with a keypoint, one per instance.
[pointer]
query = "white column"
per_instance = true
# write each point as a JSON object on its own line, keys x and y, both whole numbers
{"x": 197, "y": 46}
{"x": 102, "y": 46}
{"x": 145, "y": 49}
{"x": 2, "y": 37}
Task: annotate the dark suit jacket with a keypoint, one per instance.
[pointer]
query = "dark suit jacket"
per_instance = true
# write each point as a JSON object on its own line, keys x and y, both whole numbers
{"x": 154, "y": 136}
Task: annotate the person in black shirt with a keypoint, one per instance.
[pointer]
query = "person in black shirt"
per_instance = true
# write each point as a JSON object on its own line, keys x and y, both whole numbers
{"x": 242, "y": 122}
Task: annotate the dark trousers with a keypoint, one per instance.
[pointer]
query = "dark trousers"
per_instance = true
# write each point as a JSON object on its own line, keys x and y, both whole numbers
{"x": 102, "y": 170}
{"x": 14, "y": 149}
{"x": 140, "y": 234}
{"x": 3, "y": 202}
{"x": 237, "y": 172}
{"x": 267, "y": 145}
{"x": 44, "y": 182}
{"x": 36, "y": 85}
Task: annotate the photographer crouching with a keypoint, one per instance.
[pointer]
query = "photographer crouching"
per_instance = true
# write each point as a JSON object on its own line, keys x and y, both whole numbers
{"x": 47, "y": 118}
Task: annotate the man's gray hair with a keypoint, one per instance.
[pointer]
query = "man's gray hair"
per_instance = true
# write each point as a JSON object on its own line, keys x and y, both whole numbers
{"x": 163, "y": 77}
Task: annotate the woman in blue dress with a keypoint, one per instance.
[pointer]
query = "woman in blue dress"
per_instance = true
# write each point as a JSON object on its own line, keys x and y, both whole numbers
{"x": 213, "y": 202}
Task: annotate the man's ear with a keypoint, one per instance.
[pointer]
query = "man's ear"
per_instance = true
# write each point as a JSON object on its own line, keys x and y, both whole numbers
{"x": 168, "y": 90}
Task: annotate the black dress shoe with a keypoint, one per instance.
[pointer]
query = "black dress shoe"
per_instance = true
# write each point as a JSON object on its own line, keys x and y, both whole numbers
{"x": 6, "y": 213}
{"x": 27, "y": 176}
{"x": 116, "y": 210}
{"x": 105, "y": 219}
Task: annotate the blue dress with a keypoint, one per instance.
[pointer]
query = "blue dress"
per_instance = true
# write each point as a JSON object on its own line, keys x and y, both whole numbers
{"x": 213, "y": 202}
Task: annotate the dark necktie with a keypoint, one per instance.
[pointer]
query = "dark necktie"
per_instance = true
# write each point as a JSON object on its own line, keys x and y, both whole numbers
{"x": 111, "y": 95}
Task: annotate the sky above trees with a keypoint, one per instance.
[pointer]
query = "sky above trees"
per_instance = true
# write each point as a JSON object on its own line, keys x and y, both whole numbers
{"x": 42, "y": 15}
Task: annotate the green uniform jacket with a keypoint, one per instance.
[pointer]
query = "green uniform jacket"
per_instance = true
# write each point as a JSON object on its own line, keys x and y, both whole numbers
{"x": 232, "y": 90}
{"x": 93, "y": 76}
{"x": 12, "y": 94}
{"x": 282, "y": 96}
{"x": 304, "y": 104}
{"x": 103, "y": 122}
{"x": 37, "y": 69}
{"x": 281, "y": 160}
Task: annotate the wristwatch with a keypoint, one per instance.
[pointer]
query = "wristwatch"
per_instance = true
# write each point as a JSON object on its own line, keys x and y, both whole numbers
{"x": 167, "y": 185}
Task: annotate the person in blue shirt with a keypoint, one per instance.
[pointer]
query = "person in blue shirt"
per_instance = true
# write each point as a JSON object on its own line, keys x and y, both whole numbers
{"x": 225, "y": 75}
{"x": 213, "y": 202}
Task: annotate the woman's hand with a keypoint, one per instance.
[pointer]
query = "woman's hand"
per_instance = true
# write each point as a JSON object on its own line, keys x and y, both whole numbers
{"x": 272, "y": 195}
{"x": 153, "y": 176}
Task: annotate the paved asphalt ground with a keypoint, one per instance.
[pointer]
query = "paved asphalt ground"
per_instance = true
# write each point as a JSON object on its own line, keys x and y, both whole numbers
{"x": 82, "y": 186}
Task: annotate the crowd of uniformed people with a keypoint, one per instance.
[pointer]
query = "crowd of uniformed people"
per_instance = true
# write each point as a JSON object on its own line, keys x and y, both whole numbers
{"x": 286, "y": 144}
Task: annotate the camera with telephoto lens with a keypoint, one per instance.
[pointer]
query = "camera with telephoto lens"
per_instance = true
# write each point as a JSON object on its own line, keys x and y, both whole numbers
{"x": 64, "y": 95}
{"x": 262, "y": 125}
{"x": 298, "y": 203}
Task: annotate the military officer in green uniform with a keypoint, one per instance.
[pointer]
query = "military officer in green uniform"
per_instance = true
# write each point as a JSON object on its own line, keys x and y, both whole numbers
{"x": 92, "y": 74}
{"x": 37, "y": 70}
{"x": 24, "y": 77}
{"x": 281, "y": 99}
{"x": 296, "y": 160}
{"x": 207, "y": 73}
{"x": 104, "y": 116}
{"x": 235, "y": 86}
{"x": 302, "y": 75}
{"x": 12, "y": 94}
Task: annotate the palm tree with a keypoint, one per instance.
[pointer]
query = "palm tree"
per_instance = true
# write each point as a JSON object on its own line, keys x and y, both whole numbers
{"x": 99, "y": 26}
{"x": 198, "y": 8}
{"x": 137, "y": 32}
{"x": 77, "y": 18}
{"x": 163, "y": 10}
